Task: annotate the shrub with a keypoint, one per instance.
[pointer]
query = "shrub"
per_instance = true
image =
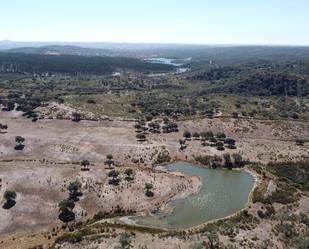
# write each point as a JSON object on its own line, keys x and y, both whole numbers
{"x": 76, "y": 117}
{"x": 300, "y": 142}
{"x": 187, "y": 134}
{"x": 220, "y": 135}
{"x": 91, "y": 101}
{"x": 163, "y": 157}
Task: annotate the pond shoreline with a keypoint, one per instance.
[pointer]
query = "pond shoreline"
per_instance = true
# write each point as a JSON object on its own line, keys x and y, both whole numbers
{"x": 169, "y": 208}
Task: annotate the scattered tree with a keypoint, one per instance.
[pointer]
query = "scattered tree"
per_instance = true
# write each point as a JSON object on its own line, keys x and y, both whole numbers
{"x": 230, "y": 142}
{"x": 182, "y": 143}
{"x": 76, "y": 117}
{"x": 125, "y": 241}
{"x": 220, "y": 146}
{"x": 74, "y": 189}
{"x": 238, "y": 160}
{"x": 3, "y": 127}
{"x": 300, "y": 142}
{"x": 19, "y": 140}
{"x": 66, "y": 210}
{"x": 196, "y": 135}
{"x": 187, "y": 134}
{"x": 213, "y": 140}
{"x": 85, "y": 164}
{"x": 148, "y": 188}
{"x": 109, "y": 161}
{"x": 235, "y": 115}
{"x": 207, "y": 134}
{"x": 91, "y": 101}
{"x": 129, "y": 174}
{"x": 114, "y": 175}
{"x": 138, "y": 127}
{"x": 141, "y": 137}
{"x": 228, "y": 161}
{"x": 9, "y": 197}
{"x": 220, "y": 135}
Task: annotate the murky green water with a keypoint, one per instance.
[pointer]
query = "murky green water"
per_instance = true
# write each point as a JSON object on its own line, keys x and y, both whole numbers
{"x": 223, "y": 193}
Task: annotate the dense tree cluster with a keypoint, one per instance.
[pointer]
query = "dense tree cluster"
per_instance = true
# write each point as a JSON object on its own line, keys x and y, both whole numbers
{"x": 269, "y": 84}
{"x": 66, "y": 206}
{"x": 74, "y": 65}
{"x": 208, "y": 138}
{"x": 215, "y": 74}
{"x": 226, "y": 161}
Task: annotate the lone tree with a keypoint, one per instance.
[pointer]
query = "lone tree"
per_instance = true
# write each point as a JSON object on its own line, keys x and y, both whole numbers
{"x": 207, "y": 134}
{"x": 9, "y": 197}
{"x": 220, "y": 146}
{"x": 3, "y": 127}
{"x": 76, "y": 117}
{"x": 230, "y": 142}
{"x": 300, "y": 142}
{"x": 129, "y": 174}
{"x": 228, "y": 161}
{"x": 141, "y": 137}
{"x": 187, "y": 134}
{"x": 138, "y": 127}
{"x": 66, "y": 210}
{"x": 213, "y": 140}
{"x": 148, "y": 188}
{"x": 19, "y": 140}
{"x": 182, "y": 143}
{"x": 74, "y": 189}
{"x": 85, "y": 164}
{"x": 196, "y": 135}
{"x": 125, "y": 241}
{"x": 220, "y": 135}
{"x": 109, "y": 161}
{"x": 114, "y": 175}
{"x": 238, "y": 161}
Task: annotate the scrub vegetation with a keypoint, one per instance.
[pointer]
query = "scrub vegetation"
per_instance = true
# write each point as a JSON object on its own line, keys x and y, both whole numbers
{"x": 85, "y": 138}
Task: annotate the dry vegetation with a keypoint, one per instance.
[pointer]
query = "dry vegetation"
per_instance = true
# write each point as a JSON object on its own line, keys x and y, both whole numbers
{"x": 50, "y": 160}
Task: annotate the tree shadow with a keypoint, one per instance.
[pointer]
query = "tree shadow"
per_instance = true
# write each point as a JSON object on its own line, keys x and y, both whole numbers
{"x": 149, "y": 193}
{"x": 232, "y": 147}
{"x": 19, "y": 147}
{"x": 75, "y": 196}
{"x": 9, "y": 204}
{"x": 66, "y": 216}
{"x": 114, "y": 182}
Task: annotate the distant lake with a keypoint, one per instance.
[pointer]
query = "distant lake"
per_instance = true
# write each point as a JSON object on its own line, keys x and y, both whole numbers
{"x": 163, "y": 61}
{"x": 167, "y": 61}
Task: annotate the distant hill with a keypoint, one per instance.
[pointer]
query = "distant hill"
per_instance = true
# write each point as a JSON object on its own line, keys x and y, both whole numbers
{"x": 60, "y": 50}
{"x": 74, "y": 64}
{"x": 7, "y": 44}
{"x": 228, "y": 54}
{"x": 267, "y": 84}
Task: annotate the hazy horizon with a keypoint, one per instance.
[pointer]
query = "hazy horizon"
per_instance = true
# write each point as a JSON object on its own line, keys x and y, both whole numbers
{"x": 75, "y": 43}
{"x": 204, "y": 22}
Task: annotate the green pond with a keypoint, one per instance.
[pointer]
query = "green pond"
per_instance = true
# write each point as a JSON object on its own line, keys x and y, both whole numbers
{"x": 223, "y": 193}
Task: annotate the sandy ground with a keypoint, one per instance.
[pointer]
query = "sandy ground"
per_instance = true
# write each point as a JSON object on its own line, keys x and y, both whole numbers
{"x": 40, "y": 186}
{"x": 41, "y": 172}
{"x": 257, "y": 141}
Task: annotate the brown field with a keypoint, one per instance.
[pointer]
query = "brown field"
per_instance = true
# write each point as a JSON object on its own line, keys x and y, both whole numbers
{"x": 53, "y": 149}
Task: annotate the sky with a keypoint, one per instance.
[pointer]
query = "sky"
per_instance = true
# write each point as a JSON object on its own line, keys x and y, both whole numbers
{"x": 267, "y": 22}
